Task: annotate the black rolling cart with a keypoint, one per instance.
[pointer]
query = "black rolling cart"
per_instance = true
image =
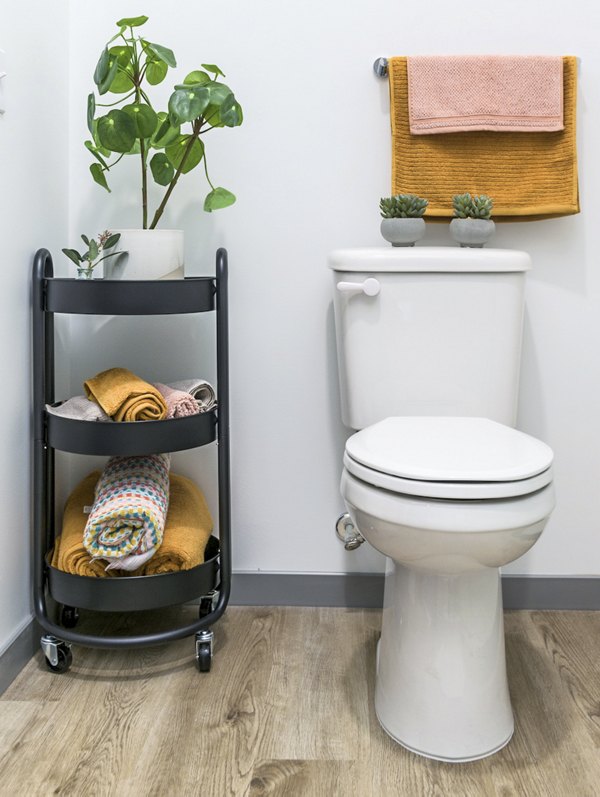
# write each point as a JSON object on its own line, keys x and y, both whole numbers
{"x": 210, "y": 581}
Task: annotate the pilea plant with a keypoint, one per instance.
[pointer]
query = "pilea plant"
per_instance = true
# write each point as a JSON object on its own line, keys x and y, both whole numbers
{"x": 472, "y": 207}
{"x": 403, "y": 206}
{"x": 128, "y": 66}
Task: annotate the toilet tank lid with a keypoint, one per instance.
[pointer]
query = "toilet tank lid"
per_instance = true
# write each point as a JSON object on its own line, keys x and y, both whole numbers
{"x": 449, "y": 449}
{"x": 428, "y": 259}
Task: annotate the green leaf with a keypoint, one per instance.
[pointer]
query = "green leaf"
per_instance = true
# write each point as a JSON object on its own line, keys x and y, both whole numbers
{"x": 123, "y": 53}
{"x": 72, "y": 255}
{"x": 117, "y": 131}
{"x": 217, "y": 199}
{"x": 98, "y": 175}
{"x": 175, "y": 153}
{"x": 144, "y": 118}
{"x": 94, "y": 150}
{"x": 214, "y": 69}
{"x": 123, "y": 82}
{"x": 93, "y": 253}
{"x": 105, "y": 84}
{"x": 91, "y": 110}
{"x": 196, "y": 78}
{"x": 163, "y": 54}
{"x": 112, "y": 240}
{"x": 156, "y": 70}
{"x": 185, "y": 105}
{"x": 85, "y": 240}
{"x": 102, "y": 67}
{"x": 165, "y": 133}
{"x": 132, "y": 22}
{"x": 231, "y": 112}
{"x": 162, "y": 169}
{"x": 219, "y": 94}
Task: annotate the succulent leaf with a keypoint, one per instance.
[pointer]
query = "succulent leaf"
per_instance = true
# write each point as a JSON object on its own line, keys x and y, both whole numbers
{"x": 403, "y": 206}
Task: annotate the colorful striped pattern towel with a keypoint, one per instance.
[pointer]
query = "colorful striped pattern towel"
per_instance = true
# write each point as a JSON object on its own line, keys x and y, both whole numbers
{"x": 127, "y": 519}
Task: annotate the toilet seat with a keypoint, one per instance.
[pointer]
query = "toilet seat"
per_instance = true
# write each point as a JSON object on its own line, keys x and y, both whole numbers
{"x": 449, "y": 458}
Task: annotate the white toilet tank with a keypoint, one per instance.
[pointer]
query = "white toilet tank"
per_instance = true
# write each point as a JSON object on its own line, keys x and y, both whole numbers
{"x": 440, "y": 334}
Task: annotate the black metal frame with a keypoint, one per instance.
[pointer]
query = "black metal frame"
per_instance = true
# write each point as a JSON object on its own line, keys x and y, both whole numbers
{"x": 52, "y": 295}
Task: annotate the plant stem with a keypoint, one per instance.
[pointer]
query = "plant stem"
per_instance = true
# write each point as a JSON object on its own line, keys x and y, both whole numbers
{"x": 176, "y": 176}
{"x": 137, "y": 79}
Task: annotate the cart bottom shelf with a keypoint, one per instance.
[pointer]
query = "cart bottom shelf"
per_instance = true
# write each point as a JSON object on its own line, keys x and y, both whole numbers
{"x": 136, "y": 593}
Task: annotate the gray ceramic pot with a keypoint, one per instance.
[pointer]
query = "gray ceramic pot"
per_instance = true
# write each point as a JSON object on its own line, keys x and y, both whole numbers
{"x": 403, "y": 232}
{"x": 472, "y": 232}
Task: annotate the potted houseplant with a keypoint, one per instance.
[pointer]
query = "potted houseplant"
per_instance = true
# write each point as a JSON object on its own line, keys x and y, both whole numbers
{"x": 168, "y": 143}
{"x": 472, "y": 225}
{"x": 95, "y": 253}
{"x": 402, "y": 223}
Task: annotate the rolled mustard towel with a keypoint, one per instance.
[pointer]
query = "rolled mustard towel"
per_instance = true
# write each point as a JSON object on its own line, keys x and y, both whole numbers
{"x": 529, "y": 177}
{"x": 130, "y": 508}
{"x": 126, "y": 397}
{"x": 69, "y": 553}
{"x": 180, "y": 404}
{"x": 201, "y": 390}
{"x": 188, "y": 528}
{"x": 507, "y": 93}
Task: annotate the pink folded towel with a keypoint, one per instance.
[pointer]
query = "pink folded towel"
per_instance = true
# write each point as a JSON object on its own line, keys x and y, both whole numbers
{"x": 179, "y": 403}
{"x": 511, "y": 93}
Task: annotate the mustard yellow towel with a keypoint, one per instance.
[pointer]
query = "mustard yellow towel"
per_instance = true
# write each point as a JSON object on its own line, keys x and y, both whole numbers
{"x": 69, "y": 553}
{"x": 126, "y": 397}
{"x": 187, "y": 530}
{"x": 189, "y": 525}
{"x": 529, "y": 175}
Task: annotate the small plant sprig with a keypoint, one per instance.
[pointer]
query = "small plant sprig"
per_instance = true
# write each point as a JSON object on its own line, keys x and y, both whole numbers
{"x": 403, "y": 206}
{"x": 472, "y": 207}
{"x": 95, "y": 249}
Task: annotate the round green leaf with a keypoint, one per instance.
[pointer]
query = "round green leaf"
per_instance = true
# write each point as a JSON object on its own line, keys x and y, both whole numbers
{"x": 214, "y": 69}
{"x": 187, "y": 104}
{"x": 161, "y": 168}
{"x": 102, "y": 67}
{"x": 117, "y": 131}
{"x": 122, "y": 83}
{"x": 231, "y": 112}
{"x": 163, "y": 53}
{"x": 123, "y": 53}
{"x": 91, "y": 110}
{"x": 217, "y": 199}
{"x": 98, "y": 175}
{"x": 144, "y": 118}
{"x": 132, "y": 22}
{"x": 196, "y": 78}
{"x": 156, "y": 70}
{"x": 165, "y": 133}
{"x": 177, "y": 151}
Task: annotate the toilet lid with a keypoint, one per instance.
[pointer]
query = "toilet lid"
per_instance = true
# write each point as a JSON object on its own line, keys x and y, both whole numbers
{"x": 447, "y": 449}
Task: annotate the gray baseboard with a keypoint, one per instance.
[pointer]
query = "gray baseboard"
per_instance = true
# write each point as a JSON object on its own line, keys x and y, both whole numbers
{"x": 365, "y": 590}
{"x": 18, "y": 654}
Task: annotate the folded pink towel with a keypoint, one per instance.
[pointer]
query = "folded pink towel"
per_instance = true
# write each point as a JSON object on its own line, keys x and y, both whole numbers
{"x": 511, "y": 93}
{"x": 179, "y": 403}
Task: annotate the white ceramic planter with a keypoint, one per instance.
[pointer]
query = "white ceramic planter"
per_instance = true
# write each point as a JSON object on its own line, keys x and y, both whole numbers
{"x": 472, "y": 232}
{"x": 403, "y": 232}
{"x": 147, "y": 255}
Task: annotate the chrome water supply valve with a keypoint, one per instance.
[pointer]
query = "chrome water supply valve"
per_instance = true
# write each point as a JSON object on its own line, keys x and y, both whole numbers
{"x": 348, "y": 533}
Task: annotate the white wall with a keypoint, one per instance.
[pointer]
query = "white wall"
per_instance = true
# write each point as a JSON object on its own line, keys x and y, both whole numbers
{"x": 33, "y": 213}
{"x": 309, "y": 166}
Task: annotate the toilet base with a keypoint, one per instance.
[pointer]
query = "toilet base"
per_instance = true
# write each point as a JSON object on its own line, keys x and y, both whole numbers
{"x": 441, "y": 688}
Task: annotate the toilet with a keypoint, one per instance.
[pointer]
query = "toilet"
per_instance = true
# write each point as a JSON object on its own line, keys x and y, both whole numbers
{"x": 437, "y": 478}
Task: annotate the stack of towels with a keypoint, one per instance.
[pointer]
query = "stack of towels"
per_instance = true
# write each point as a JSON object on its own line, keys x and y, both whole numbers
{"x": 492, "y": 124}
{"x": 119, "y": 395}
{"x": 135, "y": 519}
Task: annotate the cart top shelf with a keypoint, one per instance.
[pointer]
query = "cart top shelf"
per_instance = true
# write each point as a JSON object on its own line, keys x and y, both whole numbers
{"x": 129, "y": 297}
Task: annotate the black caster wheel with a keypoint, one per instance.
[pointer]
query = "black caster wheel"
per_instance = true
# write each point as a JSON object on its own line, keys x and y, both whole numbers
{"x": 204, "y": 656}
{"x": 69, "y": 617}
{"x": 65, "y": 659}
{"x": 206, "y": 605}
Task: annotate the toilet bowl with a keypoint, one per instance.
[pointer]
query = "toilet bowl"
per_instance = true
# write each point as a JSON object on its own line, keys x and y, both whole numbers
{"x": 448, "y": 500}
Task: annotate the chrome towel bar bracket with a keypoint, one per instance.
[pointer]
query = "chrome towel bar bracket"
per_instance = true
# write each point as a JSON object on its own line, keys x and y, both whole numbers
{"x": 380, "y": 67}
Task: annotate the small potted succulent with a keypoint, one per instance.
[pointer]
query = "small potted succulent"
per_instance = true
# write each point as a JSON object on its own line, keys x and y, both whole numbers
{"x": 472, "y": 225}
{"x": 403, "y": 223}
{"x": 87, "y": 260}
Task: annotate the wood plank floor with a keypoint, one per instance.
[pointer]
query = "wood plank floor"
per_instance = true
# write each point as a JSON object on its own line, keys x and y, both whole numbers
{"x": 288, "y": 710}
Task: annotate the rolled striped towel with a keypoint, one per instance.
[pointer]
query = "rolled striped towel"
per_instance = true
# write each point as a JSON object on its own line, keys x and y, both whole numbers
{"x": 201, "y": 390}
{"x": 127, "y": 518}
